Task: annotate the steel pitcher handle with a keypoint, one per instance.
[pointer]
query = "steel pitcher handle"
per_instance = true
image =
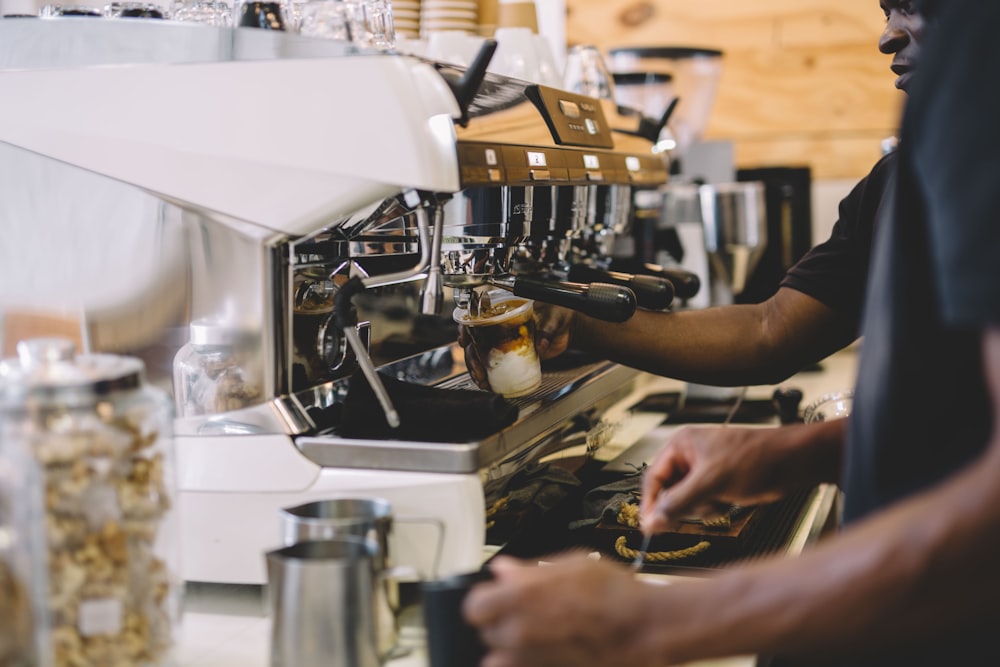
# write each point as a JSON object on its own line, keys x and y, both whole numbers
{"x": 439, "y": 551}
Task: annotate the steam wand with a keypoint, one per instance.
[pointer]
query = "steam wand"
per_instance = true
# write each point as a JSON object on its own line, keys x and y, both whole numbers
{"x": 346, "y": 319}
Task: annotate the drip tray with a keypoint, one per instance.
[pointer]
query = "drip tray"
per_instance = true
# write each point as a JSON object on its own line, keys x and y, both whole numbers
{"x": 565, "y": 393}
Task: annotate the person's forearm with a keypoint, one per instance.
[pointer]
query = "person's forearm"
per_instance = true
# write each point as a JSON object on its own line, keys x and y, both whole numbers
{"x": 731, "y": 345}
{"x": 917, "y": 571}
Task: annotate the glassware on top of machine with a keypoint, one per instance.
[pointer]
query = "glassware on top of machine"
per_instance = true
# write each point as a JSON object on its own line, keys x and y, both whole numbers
{"x": 53, "y": 11}
{"x": 209, "y": 12}
{"x": 364, "y": 23}
{"x": 133, "y": 10}
{"x": 261, "y": 14}
{"x": 103, "y": 440}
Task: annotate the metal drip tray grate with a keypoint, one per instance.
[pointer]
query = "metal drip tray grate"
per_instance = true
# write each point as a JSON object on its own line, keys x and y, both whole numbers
{"x": 555, "y": 383}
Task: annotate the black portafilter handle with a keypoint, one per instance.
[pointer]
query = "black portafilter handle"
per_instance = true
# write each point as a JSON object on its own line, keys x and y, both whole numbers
{"x": 611, "y": 303}
{"x": 651, "y": 292}
{"x": 686, "y": 284}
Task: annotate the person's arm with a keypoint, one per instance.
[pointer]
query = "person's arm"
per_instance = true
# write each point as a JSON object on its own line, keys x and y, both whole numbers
{"x": 728, "y": 345}
{"x": 917, "y": 574}
{"x": 921, "y": 571}
{"x": 700, "y": 469}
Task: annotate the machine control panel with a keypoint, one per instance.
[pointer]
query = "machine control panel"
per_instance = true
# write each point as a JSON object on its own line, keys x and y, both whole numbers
{"x": 510, "y": 164}
{"x": 574, "y": 120}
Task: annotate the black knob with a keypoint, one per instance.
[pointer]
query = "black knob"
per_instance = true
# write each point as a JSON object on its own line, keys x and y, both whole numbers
{"x": 786, "y": 403}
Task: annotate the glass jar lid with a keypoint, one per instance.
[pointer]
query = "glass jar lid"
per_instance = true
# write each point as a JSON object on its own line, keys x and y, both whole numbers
{"x": 49, "y": 370}
{"x": 218, "y": 333}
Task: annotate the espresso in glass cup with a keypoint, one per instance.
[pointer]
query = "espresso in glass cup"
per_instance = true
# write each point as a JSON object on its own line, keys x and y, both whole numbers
{"x": 503, "y": 333}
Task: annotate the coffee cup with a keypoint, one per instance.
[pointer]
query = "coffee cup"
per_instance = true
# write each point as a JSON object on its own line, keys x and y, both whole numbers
{"x": 451, "y": 642}
{"x": 504, "y": 337}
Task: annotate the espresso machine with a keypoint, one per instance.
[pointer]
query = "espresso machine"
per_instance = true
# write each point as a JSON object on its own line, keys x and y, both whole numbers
{"x": 210, "y": 199}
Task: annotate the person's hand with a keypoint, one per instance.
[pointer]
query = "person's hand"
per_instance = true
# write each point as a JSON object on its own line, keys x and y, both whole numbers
{"x": 475, "y": 365}
{"x": 553, "y": 325}
{"x": 573, "y": 611}
{"x": 702, "y": 470}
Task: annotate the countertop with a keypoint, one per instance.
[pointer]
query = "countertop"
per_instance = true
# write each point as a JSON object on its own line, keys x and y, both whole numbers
{"x": 228, "y": 626}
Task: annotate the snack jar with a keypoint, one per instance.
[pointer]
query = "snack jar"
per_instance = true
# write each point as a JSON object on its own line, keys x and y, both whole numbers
{"x": 101, "y": 440}
{"x": 24, "y": 639}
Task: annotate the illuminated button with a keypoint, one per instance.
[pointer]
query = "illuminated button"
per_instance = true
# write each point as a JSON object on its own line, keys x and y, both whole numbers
{"x": 591, "y": 125}
{"x": 632, "y": 163}
{"x": 591, "y": 162}
{"x": 494, "y": 175}
{"x": 491, "y": 156}
{"x": 536, "y": 159}
{"x": 569, "y": 109}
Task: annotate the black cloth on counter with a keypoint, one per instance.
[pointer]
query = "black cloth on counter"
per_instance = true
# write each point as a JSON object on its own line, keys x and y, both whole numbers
{"x": 426, "y": 414}
{"x": 605, "y": 501}
{"x": 542, "y": 486}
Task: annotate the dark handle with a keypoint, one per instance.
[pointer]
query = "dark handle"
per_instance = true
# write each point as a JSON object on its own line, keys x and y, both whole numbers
{"x": 650, "y": 128}
{"x": 786, "y": 401}
{"x": 651, "y": 292}
{"x": 610, "y": 303}
{"x": 465, "y": 88}
{"x": 686, "y": 284}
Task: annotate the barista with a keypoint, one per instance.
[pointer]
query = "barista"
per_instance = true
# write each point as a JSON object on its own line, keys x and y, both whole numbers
{"x": 814, "y": 313}
{"x": 912, "y": 579}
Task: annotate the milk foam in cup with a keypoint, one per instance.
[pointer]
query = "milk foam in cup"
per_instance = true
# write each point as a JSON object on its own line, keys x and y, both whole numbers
{"x": 504, "y": 336}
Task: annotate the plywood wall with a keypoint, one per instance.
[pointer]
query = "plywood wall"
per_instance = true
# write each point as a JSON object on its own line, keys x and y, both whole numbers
{"x": 803, "y": 81}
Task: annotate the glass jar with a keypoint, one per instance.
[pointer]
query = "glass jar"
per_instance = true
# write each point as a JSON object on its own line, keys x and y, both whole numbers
{"x": 217, "y": 371}
{"x": 102, "y": 439}
{"x": 24, "y": 641}
{"x": 827, "y": 407}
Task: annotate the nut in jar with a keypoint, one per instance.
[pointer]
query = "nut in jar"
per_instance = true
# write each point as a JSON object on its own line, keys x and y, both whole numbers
{"x": 102, "y": 440}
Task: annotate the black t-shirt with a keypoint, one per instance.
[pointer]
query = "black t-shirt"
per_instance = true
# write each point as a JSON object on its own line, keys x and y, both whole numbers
{"x": 835, "y": 272}
{"x": 921, "y": 407}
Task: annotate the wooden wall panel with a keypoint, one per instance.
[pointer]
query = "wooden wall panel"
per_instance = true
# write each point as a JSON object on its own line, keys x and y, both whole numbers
{"x": 803, "y": 81}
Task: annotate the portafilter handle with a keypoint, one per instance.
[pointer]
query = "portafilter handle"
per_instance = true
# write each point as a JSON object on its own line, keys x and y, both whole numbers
{"x": 651, "y": 292}
{"x": 686, "y": 284}
{"x": 611, "y": 303}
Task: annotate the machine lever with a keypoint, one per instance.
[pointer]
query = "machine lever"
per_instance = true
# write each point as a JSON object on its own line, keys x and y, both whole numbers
{"x": 650, "y": 128}
{"x": 466, "y": 87}
{"x": 651, "y": 292}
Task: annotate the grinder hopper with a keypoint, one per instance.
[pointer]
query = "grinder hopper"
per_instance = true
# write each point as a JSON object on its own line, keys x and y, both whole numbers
{"x": 735, "y": 221}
